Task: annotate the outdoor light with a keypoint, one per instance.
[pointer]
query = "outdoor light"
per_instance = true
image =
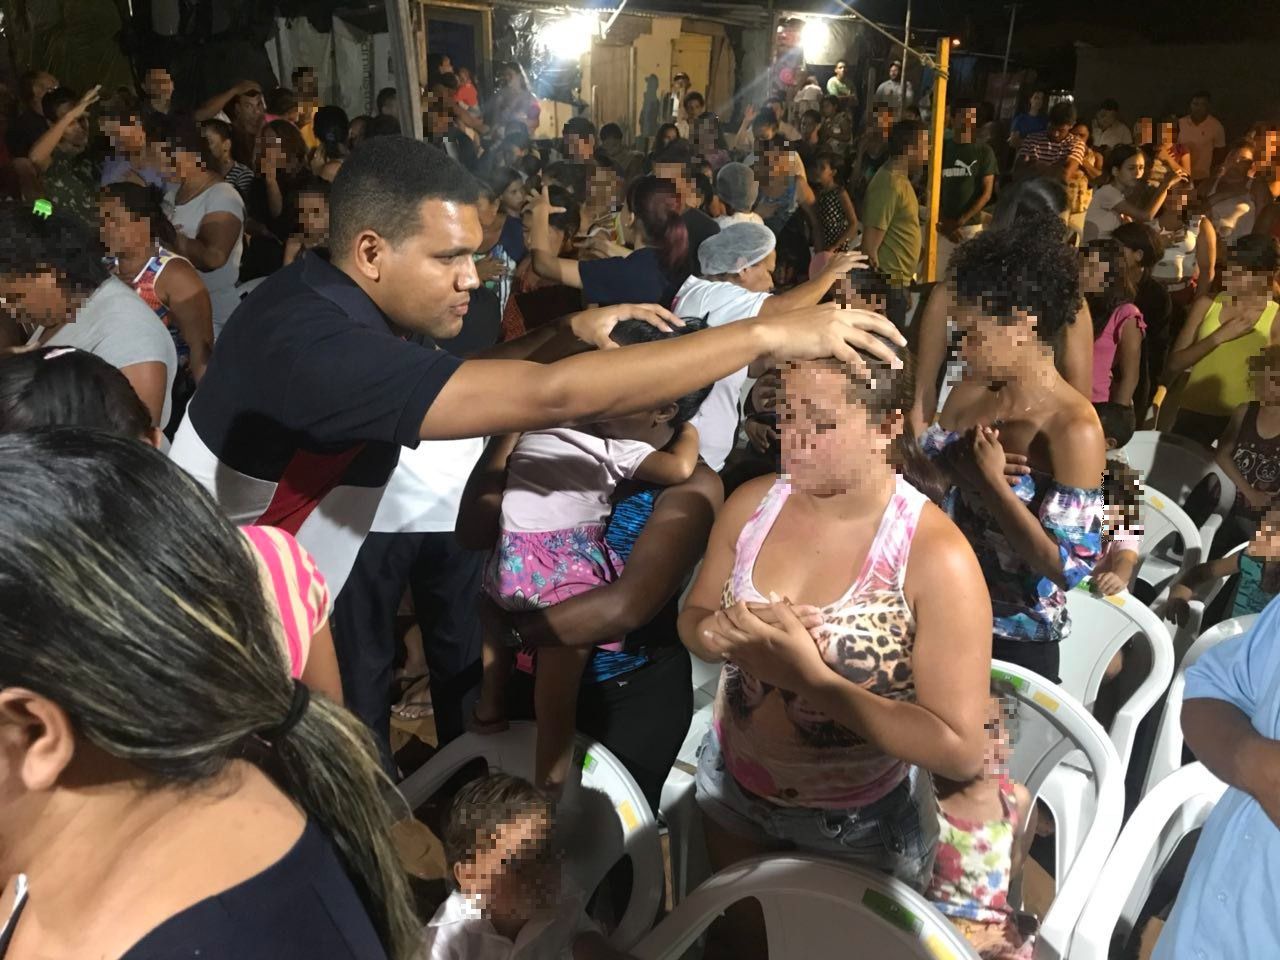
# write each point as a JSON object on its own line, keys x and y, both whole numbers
{"x": 815, "y": 35}
{"x": 570, "y": 37}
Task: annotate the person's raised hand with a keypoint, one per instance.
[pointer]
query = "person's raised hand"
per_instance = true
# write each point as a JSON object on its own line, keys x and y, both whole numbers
{"x": 489, "y": 268}
{"x": 830, "y": 330}
{"x": 847, "y": 260}
{"x": 84, "y": 103}
{"x": 761, "y": 436}
{"x": 599, "y": 247}
{"x": 540, "y": 204}
{"x": 988, "y": 455}
{"x": 767, "y": 391}
{"x": 1238, "y": 326}
{"x": 594, "y": 324}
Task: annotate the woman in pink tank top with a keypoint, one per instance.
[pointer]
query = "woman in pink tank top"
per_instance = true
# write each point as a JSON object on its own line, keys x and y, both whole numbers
{"x": 854, "y": 626}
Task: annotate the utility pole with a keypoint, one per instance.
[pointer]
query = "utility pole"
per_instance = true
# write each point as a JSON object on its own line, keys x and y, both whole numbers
{"x": 935, "y": 157}
{"x": 1004, "y": 67}
{"x": 902, "y": 70}
{"x": 404, "y": 59}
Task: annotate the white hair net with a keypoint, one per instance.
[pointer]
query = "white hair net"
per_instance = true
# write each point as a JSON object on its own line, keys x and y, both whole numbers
{"x": 735, "y": 247}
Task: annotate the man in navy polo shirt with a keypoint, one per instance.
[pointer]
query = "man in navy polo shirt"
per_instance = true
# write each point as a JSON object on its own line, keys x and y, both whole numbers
{"x": 313, "y": 388}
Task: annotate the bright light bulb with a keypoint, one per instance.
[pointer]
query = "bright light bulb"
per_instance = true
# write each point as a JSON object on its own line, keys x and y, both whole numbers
{"x": 814, "y": 37}
{"x": 569, "y": 38}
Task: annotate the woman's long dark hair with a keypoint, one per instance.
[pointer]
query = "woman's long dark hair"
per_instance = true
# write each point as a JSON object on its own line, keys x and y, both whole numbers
{"x": 59, "y": 386}
{"x": 331, "y": 127}
{"x": 144, "y": 201}
{"x": 123, "y": 600}
{"x": 656, "y": 205}
{"x": 1119, "y": 289}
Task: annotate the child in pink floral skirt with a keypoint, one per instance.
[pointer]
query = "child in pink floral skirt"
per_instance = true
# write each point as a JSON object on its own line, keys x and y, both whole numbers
{"x": 980, "y": 847}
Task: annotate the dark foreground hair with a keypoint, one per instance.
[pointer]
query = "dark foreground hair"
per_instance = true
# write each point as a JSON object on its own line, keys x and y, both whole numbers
{"x": 62, "y": 387}
{"x": 628, "y": 332}
{"x": 133, "y": 581}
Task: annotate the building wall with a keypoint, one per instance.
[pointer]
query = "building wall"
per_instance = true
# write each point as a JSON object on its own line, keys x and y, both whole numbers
{"x": 1156, "y": 80}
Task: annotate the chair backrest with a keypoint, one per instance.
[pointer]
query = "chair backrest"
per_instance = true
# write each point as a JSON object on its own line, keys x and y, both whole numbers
{"x": 1163, "y": 520}
{"x": 1166, "y": 754}
{"x": 1100, "y": 626}
{"x": 1051, "y": 727}
{"x": 1175, "y": 466}
{"x": 602, "y": 812}
{"x": 1179, "y": 805}
{"x": 816, "y": 909}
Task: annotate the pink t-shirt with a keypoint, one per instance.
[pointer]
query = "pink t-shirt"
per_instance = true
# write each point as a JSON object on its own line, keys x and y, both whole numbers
{"x": 295, "y": 588}
{"x": 1106, "y": 345}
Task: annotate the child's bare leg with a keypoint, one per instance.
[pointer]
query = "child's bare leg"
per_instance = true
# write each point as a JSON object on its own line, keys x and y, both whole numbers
{"x": 555, "y": 704}
{"x": 490, "y": 713}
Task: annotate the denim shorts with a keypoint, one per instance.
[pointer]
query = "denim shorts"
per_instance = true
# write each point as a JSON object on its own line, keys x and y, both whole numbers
{"x": 889, "y": 835}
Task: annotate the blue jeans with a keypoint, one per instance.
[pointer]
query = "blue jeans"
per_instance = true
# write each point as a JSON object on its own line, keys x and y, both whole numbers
{"x": 896, "y": 834}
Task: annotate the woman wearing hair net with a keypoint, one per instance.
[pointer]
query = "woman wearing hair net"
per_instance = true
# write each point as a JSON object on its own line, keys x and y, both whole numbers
{"x": 736, "y": 284}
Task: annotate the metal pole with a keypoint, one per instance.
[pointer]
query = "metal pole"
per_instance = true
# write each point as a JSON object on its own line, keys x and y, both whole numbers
{"x": 935, "y": 158}
{"x": 902, "y": 70}
{"x": 404, "y": 59}
{"x": 1004, "y": 67}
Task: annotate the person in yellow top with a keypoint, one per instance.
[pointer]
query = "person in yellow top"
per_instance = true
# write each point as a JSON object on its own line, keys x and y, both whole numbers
{"x": 1221, "y": 335}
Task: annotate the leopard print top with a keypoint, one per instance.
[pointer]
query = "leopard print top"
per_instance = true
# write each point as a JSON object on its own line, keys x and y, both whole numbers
{"x": 778, "y": 746}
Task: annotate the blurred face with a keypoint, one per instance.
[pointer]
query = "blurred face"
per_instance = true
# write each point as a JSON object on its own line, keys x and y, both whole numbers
{"x": 219, "y": 146}
{"x": 827, "y": 438}
{"x": 809, "y": 125}
{"x": 884, "y": 122}
{"x": 992, "y": 349}
{"x": 77, "y": 136}
{"x": 1199, "y": 108}
{"x": 1059, "y": 132}
{"x": 1266, "y": 545}
{"x": 1249, "y": 290}
{"x": 996, "y": 760}
{"x": 895, "y": 71}
{"x": 1130, "y": 173}
{"x": 516, "y": 876}
{"x": 964, "y": 122}
{"x": 918, "y": 153}
{"x": 507, "y": 76}
{"x": 250, "y": 110}
{"x": 1164, "y": 134}
{"x": 158, "y": 86}
{"x": 126, "y": 135}
{"x": 1240, "y": 163}
{"x": 603, "y": 190}
{"x": 121, "y": 232}
{"x": 758, "y": 278}
{"x": 1081, "y": 130}
{"x": 554, "y": 233}
{"x": 38, "y": 299}
{"x": 777, "y": 163}
{"x": 828, "y": 108}
{"x": 355, "y": 133}
{"x": 424, "y": 283}
{"x": 695, "y": 108}
{"x": 1093, "y": 273}
{"x": 840, "y": 70}
{"x": 1037, "y": 102}
{"x": 1105, "y": 119}
{"x": 313, "y": 217}
{"x": 1143, "y": 131}
{"x": 306, "y": 85}
{"x": 1266, "y": 381}
{"x": 667, "y": 136}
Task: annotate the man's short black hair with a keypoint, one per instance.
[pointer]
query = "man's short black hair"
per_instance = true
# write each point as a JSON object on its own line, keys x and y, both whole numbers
{"x": 677, "y": 151}
{"x": 763, "y": 120}
{"x": 281, "y": 100}
{"x": 578, "y": 127}
{"x": 629, "y": 332}
{"x": 904, "y": 134}
{"x": 1118, "y": 422}
{"x": 957, "y": 106}
{"x": 383, "y": 125}
{"x": 611, "y": 131}
{"x": 447, "y": 80}
{"x": 694, "y": 96}
{"x": 845, "y": 62}
{"x": 1202, "y": 95}
{"x": 385, "y": 94}
{"x": 1110, "y": 104}
{"x": 382, "y": 185}
{"x": 1062, "y": 113}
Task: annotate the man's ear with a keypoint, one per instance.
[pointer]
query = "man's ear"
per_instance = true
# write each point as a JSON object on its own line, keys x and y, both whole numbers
{"x": 665, "y": 414}
{"x": 369, "y": 252}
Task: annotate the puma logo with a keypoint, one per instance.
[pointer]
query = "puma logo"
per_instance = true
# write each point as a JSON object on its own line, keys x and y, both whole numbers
{"x": 960, "y": 169}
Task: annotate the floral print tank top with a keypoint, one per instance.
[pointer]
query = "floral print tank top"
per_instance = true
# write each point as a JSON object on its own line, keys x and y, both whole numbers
{"x": 974, "y": 860}
{"x": 778, "y": 746}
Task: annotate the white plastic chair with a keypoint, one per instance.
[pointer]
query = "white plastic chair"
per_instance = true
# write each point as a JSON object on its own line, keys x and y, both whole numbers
{"x": 1164, "y": 521}
{"x": 1166, "y": 754}
{"x": 1187, "y": 634}
{"x": 1065, "y": 758}
{"x": 679, "y": 810}
{"x": 1179, "y": 805}
{"x": 1100, "y": 626}
{"x": 1175, "y": 466}
{"x": 602, "y": 812}
{"x": 816, "y": 910}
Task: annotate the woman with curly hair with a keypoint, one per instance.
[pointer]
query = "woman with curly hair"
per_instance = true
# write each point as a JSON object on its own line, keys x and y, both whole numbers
{"x": 1038, "y": 536}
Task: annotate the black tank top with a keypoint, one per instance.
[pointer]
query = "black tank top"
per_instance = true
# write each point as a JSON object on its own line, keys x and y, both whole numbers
{"x": 1257, "y": 458}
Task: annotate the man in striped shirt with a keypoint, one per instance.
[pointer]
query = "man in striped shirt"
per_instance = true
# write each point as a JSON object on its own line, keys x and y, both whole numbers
{"x": 1054, "y": 152}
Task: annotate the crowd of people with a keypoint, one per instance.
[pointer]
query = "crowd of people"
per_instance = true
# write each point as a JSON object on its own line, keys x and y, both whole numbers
{"x": 589, "y": 405}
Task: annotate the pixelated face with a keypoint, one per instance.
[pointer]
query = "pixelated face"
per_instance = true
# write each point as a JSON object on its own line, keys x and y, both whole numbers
{"x": 1037, "y": 102}
{"x": 777, "y": 162}
{"x": 1093, "y": 273}
{"x": 965, "y": 121}
{"x": 1250, "y": 290}
{"x": 995, "y": 762}
{"x": 1266, "y": 542}
{"x": 1142, "y": 131}
{"x": 603, "y": 189}
{"x": 579, "y": 147}
{"x": 1164, "y": 134}
{"x": 158, "y": 85}
{"x": 827, "y": 437}
{"x": 306, "y": 84}
{"x": 992, "y": 348}
{"x": 848, "y": 295}
{"x": 313, "y": 217}
{"x": 37, "y": 298}
{"x": 1264, "y": 374}
{"x": 519, "y": 874}
{"x": 121, "y": 232}
{"x": 126, "y": 135}
{"x": 1130, "y": 173}
{"x": 884, "y": 121}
